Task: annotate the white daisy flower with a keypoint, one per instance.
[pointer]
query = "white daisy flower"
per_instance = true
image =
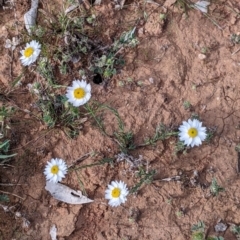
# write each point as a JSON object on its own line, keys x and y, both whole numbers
{"x": 30, "y": 53}
{"x": 79, "y": 93}
{"x": 116, "y": 193}
{"x": 192, "y": 133}
{"x": 55, "y": 170}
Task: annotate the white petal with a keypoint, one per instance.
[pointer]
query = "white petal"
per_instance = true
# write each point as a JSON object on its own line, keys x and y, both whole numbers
{"x": 88, "y": 88}
{"x": 202, "y": 135}
{"x": 186, "y": 124}
{"x": 114, "y": 184}
{"x": 188, "y": 141}
{"x": 197, "y": 141}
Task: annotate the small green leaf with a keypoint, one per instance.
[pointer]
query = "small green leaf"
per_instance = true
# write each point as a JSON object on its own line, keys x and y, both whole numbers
{"x": 4, "y": 198}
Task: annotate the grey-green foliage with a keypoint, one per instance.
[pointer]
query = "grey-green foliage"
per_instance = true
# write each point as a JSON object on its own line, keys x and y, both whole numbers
{"x": 200, "y": 226}
{"x": 235, "y": 38}
{"x": 198, "y": 236}
{"x": 210, "y": 134}
{"x": 184, "y": 5}
{"x": 4, "y": 198}
{"x": 124, "y": 138}
{"x": 75, "y": 48}
{"x": 187, "y": 105}
{"x": 146, "y": 177}
{"x": 4, "y": 157}
{"x": 180, "y": 147}
{"x": 76, "y": 43}
{"x": 4, "y": 148}
{"x": 235, "y": 229}
{"x": 121, "y": 136}
{"x": 5, "y": 112}
{"x": 215, "y": 188}
{"x": 198, "y": 231}
{"x": 215, "y": 238}
{"x": 162, "y": 132}
{"x": 57, "y": 112}
{"x": 45, "y": 70}
{"x": 107, "y": 63}
{"x": 127, "y": 39}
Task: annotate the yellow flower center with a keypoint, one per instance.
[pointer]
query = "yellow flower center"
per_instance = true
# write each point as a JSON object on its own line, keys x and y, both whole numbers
{"x": 116, "y": 192}
{"x": 28, "y": 52}
{"x": 54, "y": 169}
{"x": 192, "y": 132}
{"x": 79, "y": 93}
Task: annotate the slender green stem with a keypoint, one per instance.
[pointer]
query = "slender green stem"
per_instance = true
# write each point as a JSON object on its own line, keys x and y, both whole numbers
{"x": 81, "y": 183}
{"x": 92, "y": 113}
{"x": 101, "y": 162}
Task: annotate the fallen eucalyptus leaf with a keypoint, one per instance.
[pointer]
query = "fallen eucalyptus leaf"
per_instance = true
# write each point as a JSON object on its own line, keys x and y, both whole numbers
{"x": 30, "y": 16}
{"x": 71, "y": 8}
{"x": 201, "y": 6}
{"x": 97, "y": 2}
{"x": 66, "y": 194}
{"x": 169, "y": 3}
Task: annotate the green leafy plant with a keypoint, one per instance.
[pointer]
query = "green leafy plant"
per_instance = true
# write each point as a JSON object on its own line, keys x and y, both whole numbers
{"x": 235, "y": 38}
{"x": 5, "y": 112}
{"x": 179, "y": 213}
{"x": 4, "y": 148}
{"x": 210, "y": 134}
{"x": 57, "y": 112}
{"x": 45, "y": 69}
{"x": 146, "y": 177}
{"x": 162, "y": 132}
{"x": 184, "y": 5}
{"x": 237, "y": 148}
{"x": 75, "y": 40}
{"x": 127, "y": 39}
{"x": 215, "y": 238}
{"x": 194, "y": 116}
{"x": 4, "y": 157}
{"x": 106, "y": 64}
{"x": 123, "y": 138}
{"x": 4, "y": 198}
{"x": 215, "y": 189}
{"x": 200, "y": 226}
{"x": 235, "y": 229}
{"x": 180, "y": 147}
{"x": 198, "y": 231}
{"x": 187, "y": 105}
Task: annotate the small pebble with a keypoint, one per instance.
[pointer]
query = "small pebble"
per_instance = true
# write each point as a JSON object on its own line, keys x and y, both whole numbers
{"x": 220, "y": 227}
{"x": 151, "y": 80}
{"x": 201, "y": 56}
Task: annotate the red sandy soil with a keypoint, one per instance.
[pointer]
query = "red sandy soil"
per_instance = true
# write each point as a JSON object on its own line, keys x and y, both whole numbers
{"x": 160, "y": 74}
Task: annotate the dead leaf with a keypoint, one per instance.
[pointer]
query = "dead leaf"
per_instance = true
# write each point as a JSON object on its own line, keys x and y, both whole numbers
{"x": 169, "y": 3}
{"x": 66, "y": 194}
{"x": 30, "y": 16}
{"x": 202, "y": 6}
{"x": 71, "y": 8}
